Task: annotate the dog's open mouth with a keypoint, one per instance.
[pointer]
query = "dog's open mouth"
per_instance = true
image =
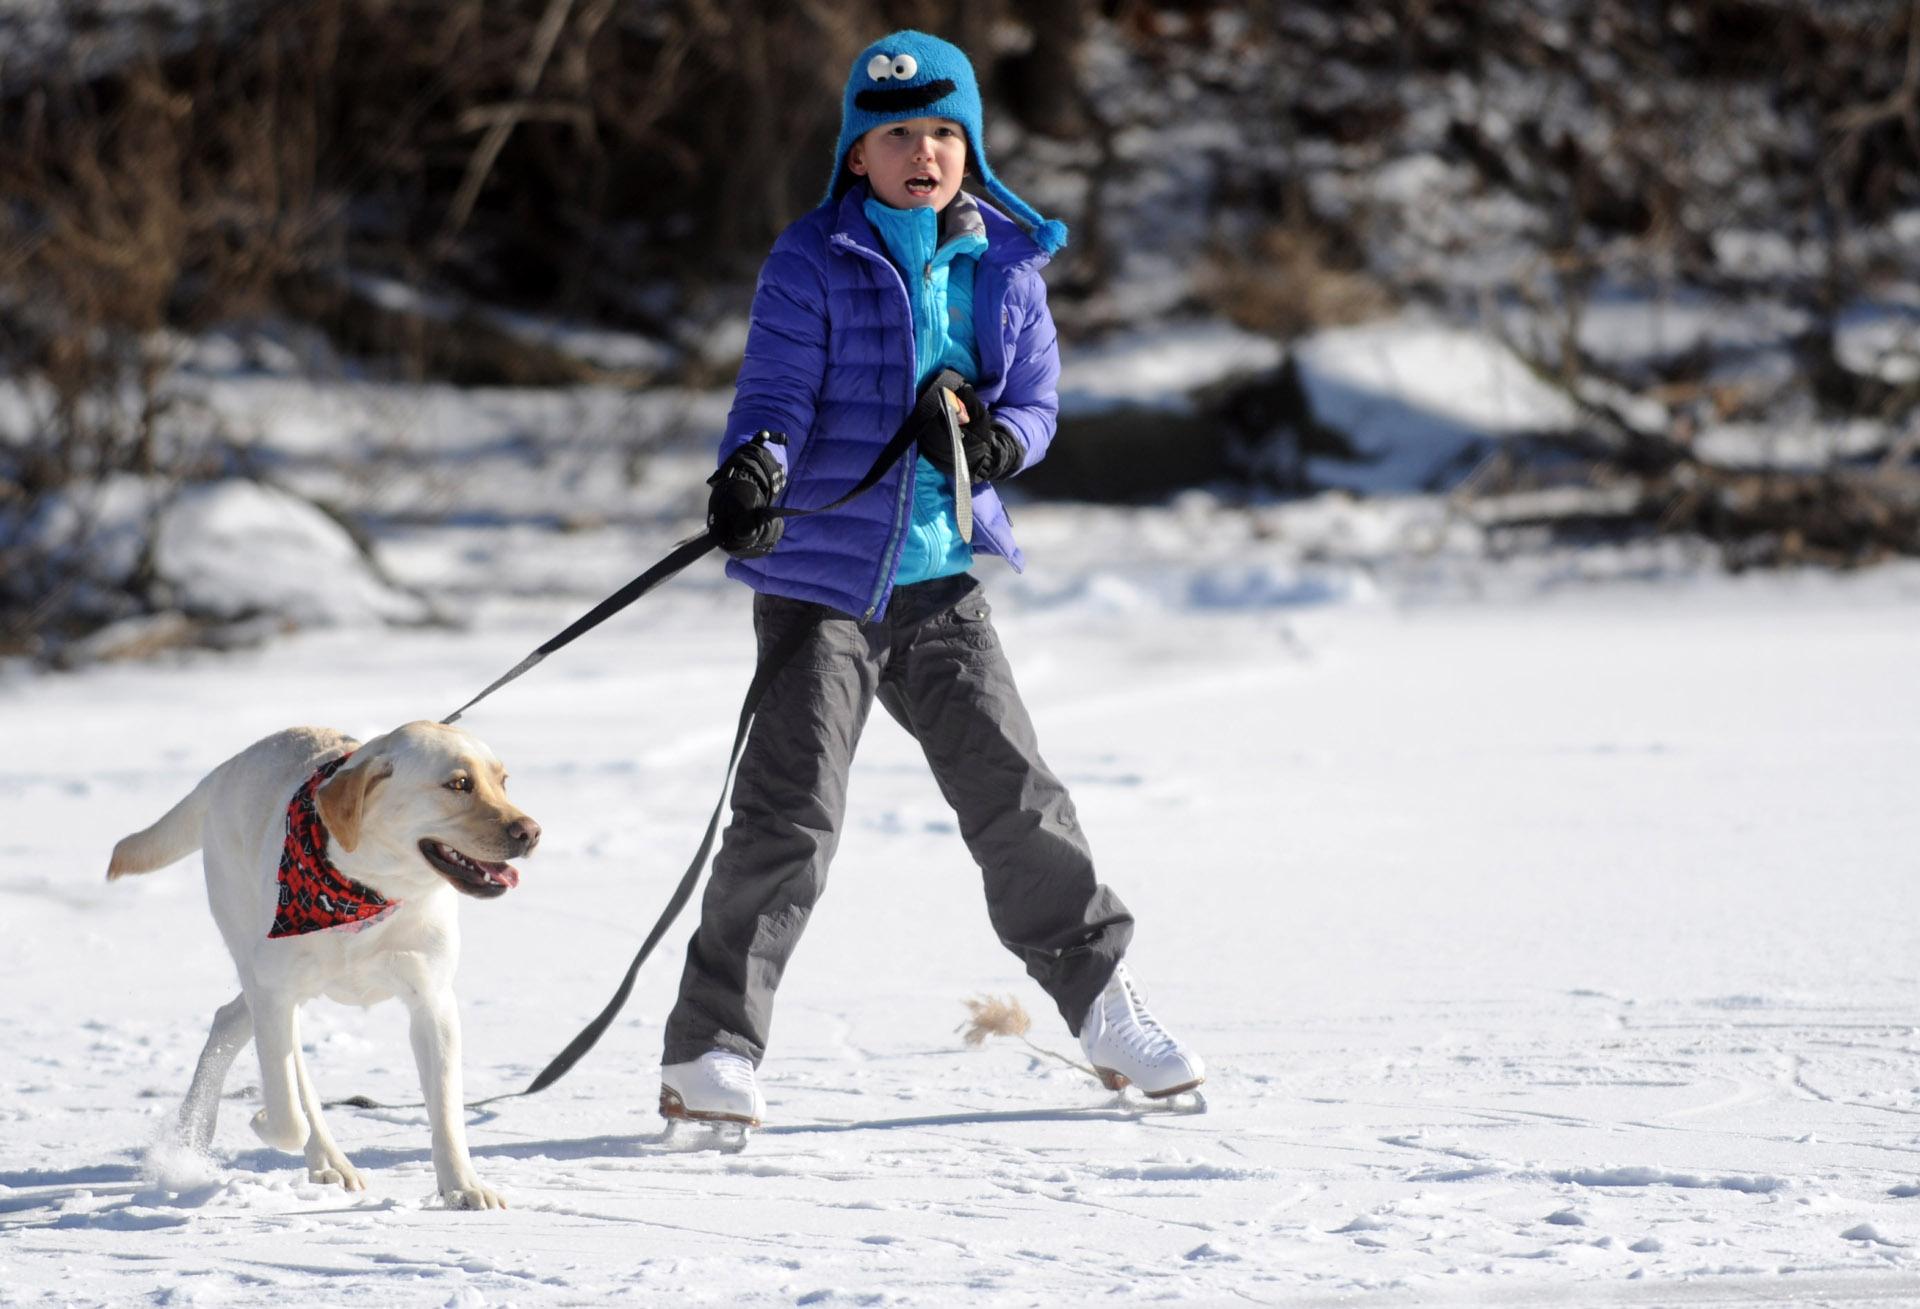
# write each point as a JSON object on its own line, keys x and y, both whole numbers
{"x": 474, "y": 876}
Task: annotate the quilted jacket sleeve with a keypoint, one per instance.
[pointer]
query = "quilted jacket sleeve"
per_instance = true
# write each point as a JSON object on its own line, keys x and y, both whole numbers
{"x": 1029, "y": 404}
{"x": 786, "y": 356}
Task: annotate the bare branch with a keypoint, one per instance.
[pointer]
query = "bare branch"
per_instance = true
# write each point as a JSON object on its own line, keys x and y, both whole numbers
{"x": 544, "y": 38}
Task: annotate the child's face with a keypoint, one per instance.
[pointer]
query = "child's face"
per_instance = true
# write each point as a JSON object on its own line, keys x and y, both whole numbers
{"x": 916, "y": 163}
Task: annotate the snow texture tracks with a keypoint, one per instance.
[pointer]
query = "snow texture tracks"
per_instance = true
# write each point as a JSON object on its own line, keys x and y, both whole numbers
{"x": 1458, "y": 1154}
{"x": 1530, "y": 961}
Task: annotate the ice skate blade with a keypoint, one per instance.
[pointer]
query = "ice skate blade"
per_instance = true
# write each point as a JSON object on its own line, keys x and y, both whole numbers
{"x": 1116, "y": 1081}
{"x": 1181, "y": 1103}
{"x": 691, "y": 1135}
{"x": 1188, "y": 1101}
{"x": 673, "y": 1107}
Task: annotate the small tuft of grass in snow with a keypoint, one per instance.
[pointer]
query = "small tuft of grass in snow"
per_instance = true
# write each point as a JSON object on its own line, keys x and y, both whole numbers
{"x": 994, "y": 1015}
{"x": 1004, "y": 1015}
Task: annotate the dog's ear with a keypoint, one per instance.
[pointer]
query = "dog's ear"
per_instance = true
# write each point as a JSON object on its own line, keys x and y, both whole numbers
{"x": 343, "y": 799}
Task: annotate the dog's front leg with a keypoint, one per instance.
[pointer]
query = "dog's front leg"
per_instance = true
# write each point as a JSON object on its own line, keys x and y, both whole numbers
{"x": 276, "y": 1038}
{"x": 436, "y": 1049}
{"x": 325, "y": 1162}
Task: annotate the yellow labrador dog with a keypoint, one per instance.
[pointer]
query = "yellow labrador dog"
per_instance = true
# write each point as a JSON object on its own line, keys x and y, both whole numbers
{"x": 332, "y": 869}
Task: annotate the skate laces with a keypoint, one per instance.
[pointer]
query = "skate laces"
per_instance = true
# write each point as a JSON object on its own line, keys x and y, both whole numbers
{"x": 731, "y": 1072}
{"x": 1124, "y": 1014}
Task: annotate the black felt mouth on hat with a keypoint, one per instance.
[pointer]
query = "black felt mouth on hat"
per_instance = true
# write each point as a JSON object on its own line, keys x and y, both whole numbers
{"x": 898, "y": 98}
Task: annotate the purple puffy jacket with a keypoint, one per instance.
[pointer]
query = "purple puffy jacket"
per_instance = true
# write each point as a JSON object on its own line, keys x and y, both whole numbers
{"x": 830, "y": 362}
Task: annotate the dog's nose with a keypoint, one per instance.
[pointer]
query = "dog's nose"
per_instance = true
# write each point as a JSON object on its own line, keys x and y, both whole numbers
{"x": 524, "y": 830}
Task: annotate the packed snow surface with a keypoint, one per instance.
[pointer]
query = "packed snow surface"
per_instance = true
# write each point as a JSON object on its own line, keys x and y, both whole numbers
{"x": 1551, "y": 947}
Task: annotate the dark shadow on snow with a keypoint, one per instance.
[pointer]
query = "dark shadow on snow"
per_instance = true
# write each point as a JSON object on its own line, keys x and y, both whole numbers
{"x": 1098, "y": 1114}
{"x": 50, "y": 1185}
{"x": 86, "y": 1175}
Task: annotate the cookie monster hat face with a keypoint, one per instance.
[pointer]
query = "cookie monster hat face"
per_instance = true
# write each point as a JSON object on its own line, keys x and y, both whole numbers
{"x": 913, "y": 75}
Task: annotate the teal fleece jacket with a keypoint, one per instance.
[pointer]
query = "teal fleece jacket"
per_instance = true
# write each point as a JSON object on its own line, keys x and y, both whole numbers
{"x": 939, "y": 279}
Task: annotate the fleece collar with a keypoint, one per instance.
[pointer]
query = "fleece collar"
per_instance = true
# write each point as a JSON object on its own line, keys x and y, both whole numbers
{"x": 314, "y": 895}
{"x": 926, "y": 239}
{"x": 1007, "y": 246}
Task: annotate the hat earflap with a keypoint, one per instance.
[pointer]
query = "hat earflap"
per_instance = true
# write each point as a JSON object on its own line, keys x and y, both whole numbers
{"x": 1048, "y": 233}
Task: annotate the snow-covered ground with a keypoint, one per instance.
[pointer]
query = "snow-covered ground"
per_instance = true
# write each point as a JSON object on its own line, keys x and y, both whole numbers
{"x": 1546, "y": 918}
{"x": 1554, "y": 947}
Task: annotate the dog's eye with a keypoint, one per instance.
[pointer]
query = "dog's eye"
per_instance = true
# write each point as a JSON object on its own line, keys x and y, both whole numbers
{"x": 460, "y": 784}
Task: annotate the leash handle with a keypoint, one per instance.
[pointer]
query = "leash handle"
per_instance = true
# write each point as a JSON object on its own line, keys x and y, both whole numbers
{"x": 962, "y": 479}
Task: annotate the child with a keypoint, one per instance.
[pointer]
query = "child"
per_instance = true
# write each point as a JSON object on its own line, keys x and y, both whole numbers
{"x": 895, "y": 277}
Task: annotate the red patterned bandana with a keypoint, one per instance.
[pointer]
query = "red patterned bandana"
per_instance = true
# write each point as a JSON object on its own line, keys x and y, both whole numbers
{"x": 314, "y": 895}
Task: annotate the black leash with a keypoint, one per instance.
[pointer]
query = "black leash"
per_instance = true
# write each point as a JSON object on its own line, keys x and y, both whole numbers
{"x": 681, "y": 555}
{"x": 763, "y": 674}
{"x": 562, "y": 1063}
{"x": 694, "y": 547}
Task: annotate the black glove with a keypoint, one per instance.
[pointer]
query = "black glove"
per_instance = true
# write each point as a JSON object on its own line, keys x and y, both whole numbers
{"x": 744, "y": 489}
{"x": 992, "y": 451}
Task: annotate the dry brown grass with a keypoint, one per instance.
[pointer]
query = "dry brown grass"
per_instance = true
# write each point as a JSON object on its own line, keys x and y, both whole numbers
{"x": 996, "y": 1015}
{"x": 164, "y": 195}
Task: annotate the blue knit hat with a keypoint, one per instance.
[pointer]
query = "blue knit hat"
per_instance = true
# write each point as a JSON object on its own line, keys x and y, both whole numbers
{"x": 913, "y": 75}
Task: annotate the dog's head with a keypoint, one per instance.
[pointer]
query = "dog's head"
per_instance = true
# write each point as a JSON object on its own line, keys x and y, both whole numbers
{"x": 426, "y": 802}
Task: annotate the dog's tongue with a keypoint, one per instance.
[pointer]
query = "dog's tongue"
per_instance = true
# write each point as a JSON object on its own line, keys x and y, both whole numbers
{"x": 499, "y": 874}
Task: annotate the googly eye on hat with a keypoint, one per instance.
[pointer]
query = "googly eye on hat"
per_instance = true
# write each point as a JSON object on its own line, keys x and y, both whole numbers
{"x": 880, "y": 68}
{"x": 914, "y": 75}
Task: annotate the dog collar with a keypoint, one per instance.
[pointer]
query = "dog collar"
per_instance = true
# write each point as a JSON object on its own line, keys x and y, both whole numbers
{"x": 314, "y": 895}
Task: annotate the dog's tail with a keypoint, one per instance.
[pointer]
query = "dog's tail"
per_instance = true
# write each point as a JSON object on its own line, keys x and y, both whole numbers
{"x": 174, "y": 837}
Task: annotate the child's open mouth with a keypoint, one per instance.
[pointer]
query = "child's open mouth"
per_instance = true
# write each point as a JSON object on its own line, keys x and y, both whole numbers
{"x": 922, "y": 185}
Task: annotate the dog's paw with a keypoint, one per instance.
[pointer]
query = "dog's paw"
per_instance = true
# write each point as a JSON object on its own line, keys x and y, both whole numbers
{"x": 472, "y": 1196}
{"x": 337, "y": 1172}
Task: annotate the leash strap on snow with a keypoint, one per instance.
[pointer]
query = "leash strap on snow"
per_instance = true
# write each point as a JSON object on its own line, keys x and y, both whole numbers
{"x": 763, "y": 676}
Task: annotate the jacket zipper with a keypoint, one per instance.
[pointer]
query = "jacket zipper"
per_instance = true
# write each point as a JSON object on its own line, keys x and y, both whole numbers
{"x": 903, "y": 496}
{"x": 902, "y": 506}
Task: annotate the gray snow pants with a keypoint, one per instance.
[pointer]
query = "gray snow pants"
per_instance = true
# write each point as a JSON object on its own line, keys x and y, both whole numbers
{"x": 935, "y": 662}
